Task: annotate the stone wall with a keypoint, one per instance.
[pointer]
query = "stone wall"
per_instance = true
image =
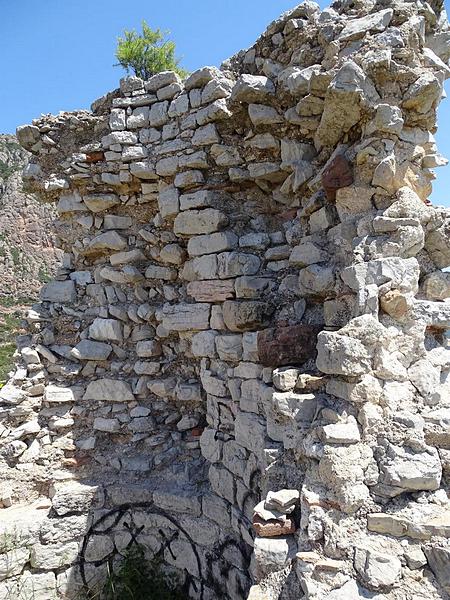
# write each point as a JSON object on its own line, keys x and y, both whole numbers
{"x": 242, "y": 363}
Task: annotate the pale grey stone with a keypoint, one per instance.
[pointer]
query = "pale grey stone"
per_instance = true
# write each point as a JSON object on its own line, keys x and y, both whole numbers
{"x": 206, "y": 135}
{"x": 195, "y": 222}
{"x": 377, "y": 570}
{"x": 186, "y": 317}
{"x": 89, "y": 350}
{"x": 252, "y": 88}
{"x": 158, "y": 114}
{"x": 188, "y": 179}
{"x": 58, "y": 395}
{"x": 212, "y": 243}
{"x": 375, "y": 22}
{"x": 106, "y": 330}
{"x": 203, "y": 344}
{"x": 113, "y": 390}
{"x": 59, "y": 291}
{"x": 263, "y": 115}
{"x": 273, "y": 554}
{"x": 13, "y": 562}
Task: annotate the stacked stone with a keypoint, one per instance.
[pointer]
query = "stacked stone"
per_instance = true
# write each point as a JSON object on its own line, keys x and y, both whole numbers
{"x": 251, "y": 299}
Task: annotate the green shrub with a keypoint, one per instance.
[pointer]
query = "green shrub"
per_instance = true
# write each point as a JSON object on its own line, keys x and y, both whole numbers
{"x": 139, "y": 579}
{"x": 148, "y": 53}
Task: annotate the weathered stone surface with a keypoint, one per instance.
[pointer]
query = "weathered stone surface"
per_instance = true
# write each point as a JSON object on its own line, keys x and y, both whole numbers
{"x": 287, "y": 345}
{"x": 375, "y": 22}
{"x": 113, "y": 390}
{"x": 377, "y": 570}
{"x": 186, "y": 317}
{"x": 246, "y": 316}
{"x": 107, "y": 330}
{"x": 89, "y": 350}
{"x": 211, "y": 291}
{"x": 196, "y": 222}
{"x": 59, "y": 291}
{"x": 252, "y": 88}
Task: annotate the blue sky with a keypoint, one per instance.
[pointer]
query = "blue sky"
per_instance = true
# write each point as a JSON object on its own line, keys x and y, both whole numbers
{"x": 59, "y": 54}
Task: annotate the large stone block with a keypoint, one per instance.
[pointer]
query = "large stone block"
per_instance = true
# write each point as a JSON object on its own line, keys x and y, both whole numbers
{"x": 289, "y": 345}
{"x": 112, "y": 390}
{"x": 196, "y": 222}
{"x": 186, "y": 317}
{"x": 59, "y": 291}
{"x": 246, "y": 315}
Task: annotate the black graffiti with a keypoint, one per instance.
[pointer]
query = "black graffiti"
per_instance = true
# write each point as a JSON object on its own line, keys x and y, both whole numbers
{"x": 216, "y": 567}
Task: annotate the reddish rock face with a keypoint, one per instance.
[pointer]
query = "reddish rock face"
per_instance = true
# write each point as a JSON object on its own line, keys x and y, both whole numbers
{"x": 337, "y": 175}
{"x": 290, "y": 345}
{"x": 273, "y": 528}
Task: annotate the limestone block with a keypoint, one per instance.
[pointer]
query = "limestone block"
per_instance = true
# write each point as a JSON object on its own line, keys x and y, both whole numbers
{"x": 168, "y": 201}
{"x": 342, "y": 433}
{"x": 39, "y": 586}
{"x": 377, "y": 570}
{"x": 211, "y": 291}
{"x": 419, "y": 524}
{"x": 273, "y": 554}
{"x": 438, "y": 559}
{"x": 59, "y": 291}
{"x": 112, "y": 390}
{"x": 76, "y": 498}
{"x": 100, "y": 202}
{"x": 229, "y": 347}
{"x": 263, "y": 115}
{"x": 405, "y": 469}
{"x": 206, "y": 135}
{"x": 246, "y": 315}
{"x": 307, "y": 253}
{"x": 234, "y": 264}
{"x": 161, "y": 80}
{"x": 13, "y": 562}
{"x": 59, "y": 395}
{"x": 148, "y": 348}
{"x": 164, "y": 273}
{"x": 187, "y": 179}
{"x": 106, "y": 330}
{"x": 195, "y": 222}
{"x": 222, "y": 483}
{"x": 203, "y": 344}
{"x": 341, "y": 355}
{"x": 110, "y": 240}
{"x": 254, "y": 395}
{"x": 423, "y": 94}
{"x": 186, "y": 317}
{"x": 47, "y": 557}
{"x": 158, "y": 114}
{"x": 376, "y": 22}
{"x": 215, "y": 242}
{"x": 201, "y": 77}
{"x": 106, "y": 425}
{"x": 250, "y": 431}
{"x": 436, "y": 286}
{"x": 252, "y": 88}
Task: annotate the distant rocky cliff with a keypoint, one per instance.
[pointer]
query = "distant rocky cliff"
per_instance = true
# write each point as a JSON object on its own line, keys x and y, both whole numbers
{"x": 27, "y": 253}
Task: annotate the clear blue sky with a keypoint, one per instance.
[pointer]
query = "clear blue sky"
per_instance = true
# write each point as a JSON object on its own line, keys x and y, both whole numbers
{"x": 59, "y": 54}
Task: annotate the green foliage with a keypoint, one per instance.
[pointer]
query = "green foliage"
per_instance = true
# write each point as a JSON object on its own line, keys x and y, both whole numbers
{"x": 9, "y": 326}
{"x": 43, "y": 275}
{"x": 139, "y": 579}
{"x": 7, "y": 170}
{"x": 148, "y": 53}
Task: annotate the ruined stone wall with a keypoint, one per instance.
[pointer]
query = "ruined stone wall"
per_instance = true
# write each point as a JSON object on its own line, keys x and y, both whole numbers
{"x": 242, "y": 364}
